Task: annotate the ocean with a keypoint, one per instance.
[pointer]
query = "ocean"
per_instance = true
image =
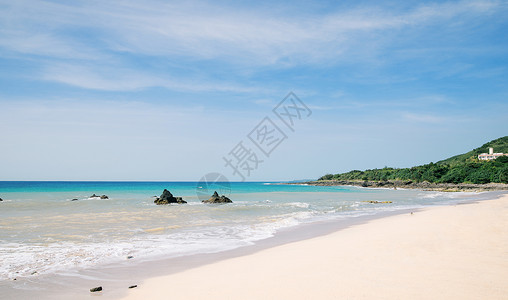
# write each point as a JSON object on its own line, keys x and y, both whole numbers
{"x": 43, "y": 231}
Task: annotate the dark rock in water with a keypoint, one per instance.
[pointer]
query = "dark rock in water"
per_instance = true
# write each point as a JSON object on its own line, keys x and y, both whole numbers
{"x": 167, "y": 198}
{"x": 96, "y": 289}
{"x": 130, "y": 256}
{"x": 94, "y": 196}
{"x": 104, "y": 197}
{"x": 216, "y": 199}
{"x": 74, "y": 199}
{"x": 1, "y": 199}
{"x": 133, "y": 286}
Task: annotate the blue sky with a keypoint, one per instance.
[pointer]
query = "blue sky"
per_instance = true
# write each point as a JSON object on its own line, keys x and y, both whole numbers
{"x": 158, "y": 90}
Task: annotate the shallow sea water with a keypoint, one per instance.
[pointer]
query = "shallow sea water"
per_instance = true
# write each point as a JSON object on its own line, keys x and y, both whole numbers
{"x": 42, "y": 230}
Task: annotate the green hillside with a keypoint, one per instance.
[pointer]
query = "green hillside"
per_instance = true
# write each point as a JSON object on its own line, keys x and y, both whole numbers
{"x": 499, "y": 145}
{"x": 463, "y": 168}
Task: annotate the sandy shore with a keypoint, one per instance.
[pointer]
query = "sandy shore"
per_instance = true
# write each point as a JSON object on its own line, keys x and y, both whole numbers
{"x": 452, "y": 252}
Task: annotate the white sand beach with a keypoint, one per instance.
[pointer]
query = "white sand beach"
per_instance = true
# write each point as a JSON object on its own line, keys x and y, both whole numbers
{"x": 450, "y": 252}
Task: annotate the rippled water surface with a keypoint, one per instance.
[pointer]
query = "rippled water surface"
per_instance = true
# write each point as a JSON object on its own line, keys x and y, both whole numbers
{"x": 42, "y": 229}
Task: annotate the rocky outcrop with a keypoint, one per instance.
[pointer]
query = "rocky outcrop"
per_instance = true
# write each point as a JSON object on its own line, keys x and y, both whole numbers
{"x": 217, "y": 199}
{"x": 408, "y": 184}
{"x": 167, "y": 198}
{"x": 102, "y": 197}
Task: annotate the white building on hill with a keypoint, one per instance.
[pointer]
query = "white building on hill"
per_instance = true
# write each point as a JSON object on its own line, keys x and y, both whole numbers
{"x": 491, "y": 155}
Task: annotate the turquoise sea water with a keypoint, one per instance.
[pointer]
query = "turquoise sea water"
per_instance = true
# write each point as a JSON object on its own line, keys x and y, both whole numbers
{"x": 43, "y": 230}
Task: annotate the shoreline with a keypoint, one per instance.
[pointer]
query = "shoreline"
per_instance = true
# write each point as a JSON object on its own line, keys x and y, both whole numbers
{"x": 408, "y": 184}
{"x": 443, "y": 252}
{"x": 115, "y": 278}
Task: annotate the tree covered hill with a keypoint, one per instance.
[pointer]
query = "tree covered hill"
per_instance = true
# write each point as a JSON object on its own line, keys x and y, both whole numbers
{"x": 463, "y": 168}
{"x": 499, "y": 145}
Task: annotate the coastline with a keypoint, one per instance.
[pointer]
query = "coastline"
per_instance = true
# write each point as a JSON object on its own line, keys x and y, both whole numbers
{"x": 444, "y": 252}
{"x": 115, "y": 277}
{"x": 118, "y": 276}
{"x": 408, "y": 184}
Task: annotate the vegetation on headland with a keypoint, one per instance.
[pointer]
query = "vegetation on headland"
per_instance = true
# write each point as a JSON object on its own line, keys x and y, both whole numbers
{"x": 463, "y": 168}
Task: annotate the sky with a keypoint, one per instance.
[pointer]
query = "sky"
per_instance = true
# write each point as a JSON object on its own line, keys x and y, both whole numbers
{"x": 171, "y": 91}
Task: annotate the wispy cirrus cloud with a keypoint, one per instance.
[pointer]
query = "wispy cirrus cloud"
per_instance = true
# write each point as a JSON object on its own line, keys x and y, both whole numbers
{"x": 424, "y": 118}
{"x": 94, "y": 34}
{"x": 109, "y": 78}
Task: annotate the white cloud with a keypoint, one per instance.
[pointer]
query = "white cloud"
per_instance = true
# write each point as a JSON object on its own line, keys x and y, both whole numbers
{"x": 265, "y": 102}
{"x": 203, "y": 30}
{"x": 263, "y": 38}
{"x": 110, "y": 78}
{"x": 44, "y": 44}
{"x": 425, "y": 118}
{"x": 236, "y": 38}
